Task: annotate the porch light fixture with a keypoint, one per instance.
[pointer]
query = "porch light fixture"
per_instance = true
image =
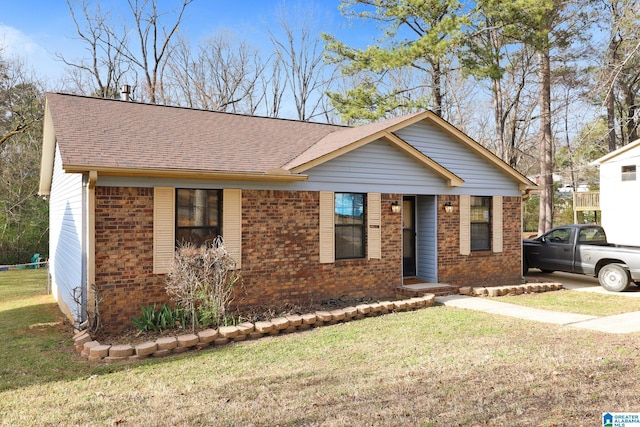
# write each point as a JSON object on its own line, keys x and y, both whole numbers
{"x": 448, "y": 207}
{"x": 395, "y": 207}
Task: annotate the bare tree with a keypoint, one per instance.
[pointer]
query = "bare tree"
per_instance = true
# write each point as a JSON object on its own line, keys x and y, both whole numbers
{"x": 103, "y": 69}
{"x": 299, "y": 49}
{"x": 115, "y": 54}
{"x": 224, "y": 76}
{"x": 23, "y": 215}
{"x": 154, "y": 42}
{"x": 17, "y": 114}
{"x": 273, "y": 84}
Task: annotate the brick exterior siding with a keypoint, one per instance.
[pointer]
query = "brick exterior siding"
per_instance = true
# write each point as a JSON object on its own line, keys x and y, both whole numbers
{"x": 281, "y": 258}
{"x": 124, "y": 255}
{"x": 280, "y": 253}
{"x": 280, "y": 236}
{"x": 482, "y": 268}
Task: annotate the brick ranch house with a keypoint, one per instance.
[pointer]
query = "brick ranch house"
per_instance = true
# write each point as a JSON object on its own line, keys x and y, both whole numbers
{"x": 309, "y": 211}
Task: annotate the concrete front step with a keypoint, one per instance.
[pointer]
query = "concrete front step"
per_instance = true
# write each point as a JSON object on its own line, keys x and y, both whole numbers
{"x": 420, "y": 289}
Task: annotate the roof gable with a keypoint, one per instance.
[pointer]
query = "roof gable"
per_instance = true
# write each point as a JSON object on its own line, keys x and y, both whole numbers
{"x": 116, "y": 137}
{"x": 620, "y": 153}
{"x": 345, "y": 140}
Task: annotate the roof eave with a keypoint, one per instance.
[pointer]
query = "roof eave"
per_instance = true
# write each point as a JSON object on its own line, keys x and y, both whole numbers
{"x": 48, "y": 153}
{"x": 274, "y": 175}
{"x": 616, "y": 153}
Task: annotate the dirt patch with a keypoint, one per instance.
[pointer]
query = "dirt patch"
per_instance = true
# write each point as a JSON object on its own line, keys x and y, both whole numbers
{"x": 132, "y": 336}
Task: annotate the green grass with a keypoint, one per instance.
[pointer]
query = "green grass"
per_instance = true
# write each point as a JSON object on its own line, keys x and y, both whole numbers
{"x": 588, "y": 303}
{"x": 36, "y": 346}
{"x": 435, "y": 366}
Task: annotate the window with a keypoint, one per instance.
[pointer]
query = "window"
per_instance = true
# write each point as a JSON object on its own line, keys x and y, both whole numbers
{"x": 592, "y": 235}
{"x": 197, "y": 215}
{"x": 480, "y": 223}
{"x": 349, "y": 225}
{"x": 629, "y": 173}
{"x": 559, "y": 235}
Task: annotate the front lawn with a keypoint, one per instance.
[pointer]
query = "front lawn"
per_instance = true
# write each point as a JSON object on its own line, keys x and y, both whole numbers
{"x": 589, "y": 303}
{"x": 435, "y": 366}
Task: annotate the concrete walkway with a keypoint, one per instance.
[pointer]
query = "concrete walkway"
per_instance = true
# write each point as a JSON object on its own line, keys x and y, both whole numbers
{"x": 618, "y": 324}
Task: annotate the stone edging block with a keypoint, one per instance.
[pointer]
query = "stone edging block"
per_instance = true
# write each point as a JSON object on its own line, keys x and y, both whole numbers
{"x": 96, "y": 352}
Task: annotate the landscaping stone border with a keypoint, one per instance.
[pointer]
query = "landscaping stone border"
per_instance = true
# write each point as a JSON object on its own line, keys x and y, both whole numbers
{"x": 96, "y": 352}
{"x": 498, "y": 291}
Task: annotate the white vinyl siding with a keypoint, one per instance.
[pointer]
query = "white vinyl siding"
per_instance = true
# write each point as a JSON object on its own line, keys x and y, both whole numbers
{"x": 374, "y": 226}
{"x": 465, "y": 225}
{"x": 232, "y": 224}
{"x": 496, "y": 220}
{"x": 619, "y": 202}
{"x": 66, "y": 251}
{"x": 327, "y": 228}
{"x": 164, "y": 240}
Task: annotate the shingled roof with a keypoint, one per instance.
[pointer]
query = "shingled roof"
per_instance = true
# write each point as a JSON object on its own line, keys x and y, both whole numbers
{"x": 100, "y": 133}
{"x": 113, "y": 137}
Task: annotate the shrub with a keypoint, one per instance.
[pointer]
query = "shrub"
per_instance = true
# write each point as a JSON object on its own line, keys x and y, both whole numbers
{"x": 201, "y": 282}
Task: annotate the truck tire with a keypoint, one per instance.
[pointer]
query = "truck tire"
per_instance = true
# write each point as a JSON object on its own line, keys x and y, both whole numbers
{"x": 525, "y": 267}
{"x": 614, "y": 278}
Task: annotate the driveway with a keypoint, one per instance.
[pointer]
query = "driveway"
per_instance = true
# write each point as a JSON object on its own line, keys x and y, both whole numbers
{"x": 578, "y": 282}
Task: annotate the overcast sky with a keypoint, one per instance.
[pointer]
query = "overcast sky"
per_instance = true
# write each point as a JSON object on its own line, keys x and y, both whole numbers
{"x": 35, "y": 30}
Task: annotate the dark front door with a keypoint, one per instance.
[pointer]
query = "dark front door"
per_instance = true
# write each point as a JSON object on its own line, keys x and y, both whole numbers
{"x": 408, "y": 236}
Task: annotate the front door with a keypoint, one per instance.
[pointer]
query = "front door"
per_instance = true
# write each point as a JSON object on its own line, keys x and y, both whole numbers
{"x": 408, "y": 236}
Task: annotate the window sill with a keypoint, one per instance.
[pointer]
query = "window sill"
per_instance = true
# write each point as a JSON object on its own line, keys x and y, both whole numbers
{"x": 481, "y": 253}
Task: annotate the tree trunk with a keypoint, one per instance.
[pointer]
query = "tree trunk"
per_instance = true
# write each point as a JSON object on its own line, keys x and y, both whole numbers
{"x": 610, "y": 100}
{"x": 545, "y": 219}
{"x": 437, "y": 89}
{"x": 632, "y": 123}
{"x": 503, "y": 151}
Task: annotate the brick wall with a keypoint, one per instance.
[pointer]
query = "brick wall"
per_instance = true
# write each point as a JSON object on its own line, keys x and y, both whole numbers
{"x": 280, "y": 254}
{"x": 124, "y": 255}
{"x": 280, "y": 258}
{"x": 280, "y": 235}
{"x": 483, "y": 268}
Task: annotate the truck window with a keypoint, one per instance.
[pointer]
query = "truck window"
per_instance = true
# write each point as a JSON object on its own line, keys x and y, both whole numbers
{"x": 560, "y": 235}
{"x": 591, "y": 235}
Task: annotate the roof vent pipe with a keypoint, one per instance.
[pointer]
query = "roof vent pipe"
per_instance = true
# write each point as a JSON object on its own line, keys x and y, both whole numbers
{"x": 125, "y": 91}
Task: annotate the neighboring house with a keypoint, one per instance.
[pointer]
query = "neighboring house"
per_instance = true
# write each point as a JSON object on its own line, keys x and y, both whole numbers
{"x": 309, "y": 211}
{"x": 619, "y": 190}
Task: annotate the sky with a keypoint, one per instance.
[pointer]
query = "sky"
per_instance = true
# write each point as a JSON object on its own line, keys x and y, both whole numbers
{"x": 35, "y": 30}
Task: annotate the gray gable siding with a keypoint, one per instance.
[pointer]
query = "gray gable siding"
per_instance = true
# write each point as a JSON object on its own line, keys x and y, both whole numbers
{"x": 377, "y": 166}
{"x": 480, "y": 177}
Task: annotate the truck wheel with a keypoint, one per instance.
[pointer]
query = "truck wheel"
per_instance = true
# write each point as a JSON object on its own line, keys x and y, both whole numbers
{"x": 525, "y": 267}
{"x": 614, "y": 278}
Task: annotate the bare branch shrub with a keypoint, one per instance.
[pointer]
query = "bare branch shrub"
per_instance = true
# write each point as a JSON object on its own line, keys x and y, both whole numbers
{"x": 201, "y": 281}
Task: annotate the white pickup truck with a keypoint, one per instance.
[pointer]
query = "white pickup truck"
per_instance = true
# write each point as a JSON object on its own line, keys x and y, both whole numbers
{"x": 584, "y": 249}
